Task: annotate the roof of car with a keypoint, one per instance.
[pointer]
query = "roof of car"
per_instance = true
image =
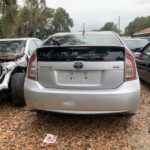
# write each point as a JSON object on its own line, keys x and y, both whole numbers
{"x": 86, "y": 33}
{"x": 135, "y": 39}
{"x": 95, "y": 32}
{"x": 17, "y": 39}
{"x": 111, "y": 33}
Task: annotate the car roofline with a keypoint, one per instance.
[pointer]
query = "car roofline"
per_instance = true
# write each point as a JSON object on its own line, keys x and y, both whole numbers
{"x": 16, "y": 39}
{"x": 135, "y": 39}
{"x": 78, "y": 33}
{"x": 89, "y": 33}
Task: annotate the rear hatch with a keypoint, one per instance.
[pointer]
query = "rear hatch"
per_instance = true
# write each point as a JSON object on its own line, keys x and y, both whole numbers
{"x": 81, "y": 67}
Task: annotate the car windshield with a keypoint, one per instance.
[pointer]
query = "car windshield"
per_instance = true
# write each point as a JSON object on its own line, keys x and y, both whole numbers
{"x": 133, "y": 44}
{"x": 87, "y": 39}
{"x": 12, "y": 47}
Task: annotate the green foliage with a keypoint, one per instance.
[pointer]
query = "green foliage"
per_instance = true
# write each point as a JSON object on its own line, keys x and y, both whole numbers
{"x": 24, "y": 24}
{"x": 110, "y": 26}
{"x": 8, "y": 15}
{"x": 33, "y": 19}
{"x": 1, "y": 28}
{"x": 137, "y": 25}
{"x": 61, "y": 21}
{"x": 54, "y": 21}
{"x": 45, "y": 27}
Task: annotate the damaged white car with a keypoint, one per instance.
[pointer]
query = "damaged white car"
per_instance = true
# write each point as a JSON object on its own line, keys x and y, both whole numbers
{"x": 14, "y": 56}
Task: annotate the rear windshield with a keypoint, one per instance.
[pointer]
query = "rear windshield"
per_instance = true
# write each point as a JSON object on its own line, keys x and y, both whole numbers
{"x": 81, "y": 54}
{"x": 87, "y": 39}
{"x": 12, "y": 47}
{"x": 133, "y": 44}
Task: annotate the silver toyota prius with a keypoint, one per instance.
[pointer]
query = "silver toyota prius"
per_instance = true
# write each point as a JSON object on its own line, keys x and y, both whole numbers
{"x": 83, "y": 73}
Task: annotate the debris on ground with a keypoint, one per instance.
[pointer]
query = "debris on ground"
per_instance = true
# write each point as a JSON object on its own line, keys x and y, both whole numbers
{"x": 50, "y": 139}
{"x": 21, "y": 129}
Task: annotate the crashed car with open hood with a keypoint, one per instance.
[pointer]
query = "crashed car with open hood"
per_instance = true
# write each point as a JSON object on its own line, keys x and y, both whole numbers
{"x": 14, "y": 56}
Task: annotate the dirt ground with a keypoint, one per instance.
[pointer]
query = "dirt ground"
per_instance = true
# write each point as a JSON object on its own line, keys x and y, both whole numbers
{"x": 21, "y": 129}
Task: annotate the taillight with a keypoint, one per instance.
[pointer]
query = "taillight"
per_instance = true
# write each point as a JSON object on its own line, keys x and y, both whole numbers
{"x": 32, "y": 67}
{"x": 130, "y": 68}
{"x": 140, "y": 56}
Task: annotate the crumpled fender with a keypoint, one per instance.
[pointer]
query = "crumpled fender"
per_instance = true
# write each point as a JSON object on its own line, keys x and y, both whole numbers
{"x": 8, "y": 68}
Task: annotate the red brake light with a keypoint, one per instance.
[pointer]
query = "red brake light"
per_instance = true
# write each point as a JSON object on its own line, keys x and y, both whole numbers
{"x": 130, "y": 68}
{"x": 32, "y": 67}
{"x": 140, "y": 56}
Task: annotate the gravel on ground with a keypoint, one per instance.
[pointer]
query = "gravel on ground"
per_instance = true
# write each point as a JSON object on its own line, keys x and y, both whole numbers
{"x": 21, "y": 129}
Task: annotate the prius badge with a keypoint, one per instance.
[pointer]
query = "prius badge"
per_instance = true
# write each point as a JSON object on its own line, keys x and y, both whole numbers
{"x": 78, "y": 65}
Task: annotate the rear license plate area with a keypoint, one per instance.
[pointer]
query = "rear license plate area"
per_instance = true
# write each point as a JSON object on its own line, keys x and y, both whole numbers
{"x": 79, "y": 77}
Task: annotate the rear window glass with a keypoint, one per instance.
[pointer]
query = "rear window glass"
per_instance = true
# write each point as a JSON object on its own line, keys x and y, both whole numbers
{"x": 87, "y": 39}
{"x": 38, "y": 42}
{"x": 132, "y": 44}
{"x": 80, "y": 54}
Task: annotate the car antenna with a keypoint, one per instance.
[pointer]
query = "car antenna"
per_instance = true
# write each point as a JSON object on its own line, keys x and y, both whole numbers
{"x": 83, "y": 32}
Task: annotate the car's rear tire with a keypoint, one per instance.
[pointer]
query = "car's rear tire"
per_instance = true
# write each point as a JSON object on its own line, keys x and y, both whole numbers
{"x": 17, "y": 89}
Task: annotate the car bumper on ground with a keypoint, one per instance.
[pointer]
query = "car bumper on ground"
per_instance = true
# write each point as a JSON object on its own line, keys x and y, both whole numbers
{"x": 123, "y": 99}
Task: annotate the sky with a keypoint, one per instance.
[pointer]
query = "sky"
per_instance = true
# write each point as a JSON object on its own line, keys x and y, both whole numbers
{"x": 95, "y": 13}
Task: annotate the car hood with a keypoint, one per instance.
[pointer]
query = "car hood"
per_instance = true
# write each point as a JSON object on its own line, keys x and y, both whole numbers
{"x": 8, "y": 57}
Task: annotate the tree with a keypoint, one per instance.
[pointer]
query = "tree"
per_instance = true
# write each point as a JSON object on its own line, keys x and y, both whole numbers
{"x": 1, "y": 28}
{"x": 61, "y": 21}
{"x": 24, "y": 26}
{"x": 110, "y": 26}
{"x": 35, "y": 3}
{"x": 8, "y": 13}
{"x": 45, "y": 27}
{"x": 53, "y": 21}
{"x": 33, "y": 19}
{"x": 137, "y": 25}
{"x": 28, "y": 18}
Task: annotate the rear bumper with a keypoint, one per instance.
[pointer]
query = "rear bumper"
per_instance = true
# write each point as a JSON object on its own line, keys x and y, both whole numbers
{"x": 123, "y": 99}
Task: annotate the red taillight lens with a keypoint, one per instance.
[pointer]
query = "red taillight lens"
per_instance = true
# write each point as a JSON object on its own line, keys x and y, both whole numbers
{"x": 32, "y": 67}
{"x": 140, "y": 56}
{"x": 130, "y": 68}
